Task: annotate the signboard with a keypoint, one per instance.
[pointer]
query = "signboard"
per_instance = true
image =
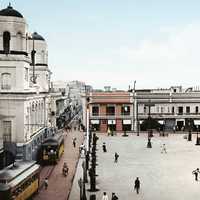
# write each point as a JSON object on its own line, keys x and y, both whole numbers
{"x": 161, "y": 121}
{"x": 111, "y": 121}
{"x": 94, "y": 121}
{"x": 126, "y": 121}
{"x": 196, "y": 122}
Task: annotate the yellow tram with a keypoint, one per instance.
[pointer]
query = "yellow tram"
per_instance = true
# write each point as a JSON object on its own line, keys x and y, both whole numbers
{"x": 52, "y": 149}
{"x": 19, "y": 182}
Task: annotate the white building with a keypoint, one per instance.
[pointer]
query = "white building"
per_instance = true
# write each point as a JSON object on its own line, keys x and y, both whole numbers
{"x": 173, "y": 107}
{"x": 25, "y": 97}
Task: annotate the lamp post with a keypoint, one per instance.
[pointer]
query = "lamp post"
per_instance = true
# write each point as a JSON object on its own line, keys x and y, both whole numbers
{"x": 80, "y": 183}
{"x": 189, "y": 132}
{"x": 84, "y": 180}
{"x": 138, "y": 124}
{"x": 163, "y": 128}
{"x": 198, "y": 139}
{"x": 149, "y": 104}
{"x": 135, "y": 109}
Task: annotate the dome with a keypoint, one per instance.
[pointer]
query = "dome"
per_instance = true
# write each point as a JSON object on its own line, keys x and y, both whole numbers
{"x": 9, "y": 11}
{"x": 36, "y": 36}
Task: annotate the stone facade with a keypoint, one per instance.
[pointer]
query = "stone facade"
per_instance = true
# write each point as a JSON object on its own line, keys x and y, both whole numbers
{"x": 25, "y": 101}
{"x": 174, "y": 108}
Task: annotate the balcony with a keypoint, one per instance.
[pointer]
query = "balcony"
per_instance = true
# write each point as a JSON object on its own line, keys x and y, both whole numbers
{"x": 169, "y": 115}
{"x": 95, "y": 114}
{"x": 110, "y": 113}
{"x": 110, "y": 116}
{"x": 126, "y": 113}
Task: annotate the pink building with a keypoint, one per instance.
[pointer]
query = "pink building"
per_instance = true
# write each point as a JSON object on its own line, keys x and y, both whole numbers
{"x": 113, "y": 110}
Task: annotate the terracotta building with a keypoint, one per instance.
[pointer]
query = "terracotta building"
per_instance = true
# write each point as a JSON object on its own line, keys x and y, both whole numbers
{"x": 110, "y": 110}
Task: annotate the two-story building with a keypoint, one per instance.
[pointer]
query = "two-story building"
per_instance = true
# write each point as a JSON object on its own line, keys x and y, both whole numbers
{"x": 174, "y": 108}
{"x": 111, "y": 110}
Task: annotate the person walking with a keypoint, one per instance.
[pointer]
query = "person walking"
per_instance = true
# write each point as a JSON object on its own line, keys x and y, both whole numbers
{"x": 196, "y": 172}
{"x": 137, "y": 185}
{"x": 116, "y": 157}
{"x": 114, "y": 197}
{"x": 46, "y": 183}
{"x": 163, "y": 149}
{"x": 105, "y": 196}
{"x": 104, "y": 147}
{"x": 74, "y": 142}
{"x": 109, "y": 131}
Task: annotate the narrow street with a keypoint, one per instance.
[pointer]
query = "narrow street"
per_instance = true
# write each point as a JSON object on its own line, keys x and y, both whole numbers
{"x": 60, "y": 186}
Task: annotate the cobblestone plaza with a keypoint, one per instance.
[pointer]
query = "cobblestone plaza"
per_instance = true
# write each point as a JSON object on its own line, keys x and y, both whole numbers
{"x": 164, "y": 176}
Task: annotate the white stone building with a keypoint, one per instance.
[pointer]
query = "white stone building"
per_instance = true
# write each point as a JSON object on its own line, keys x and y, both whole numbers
{"x": 25, "y": 96}
{"x": 173, "y": 107}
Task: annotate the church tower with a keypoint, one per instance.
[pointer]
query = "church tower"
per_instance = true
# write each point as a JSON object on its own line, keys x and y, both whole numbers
{"x": 39, "y": 68}
{"x": 14, "y": 60}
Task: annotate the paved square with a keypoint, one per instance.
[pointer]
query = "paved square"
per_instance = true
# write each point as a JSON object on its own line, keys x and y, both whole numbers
{"x": 163, "y": 176}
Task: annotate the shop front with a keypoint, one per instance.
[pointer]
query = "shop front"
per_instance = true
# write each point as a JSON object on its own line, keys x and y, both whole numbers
{"x": 112, "y": 125}
{"x": 126, "y": 125}
{"x": 95, "y": 124}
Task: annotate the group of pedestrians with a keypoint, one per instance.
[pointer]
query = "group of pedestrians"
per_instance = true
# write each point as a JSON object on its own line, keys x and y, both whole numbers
{"x": 116, "y": 155}
{"x": 196, "y": 173}
{"x": 163, "y": 148}
{"x": 113, "y": 197}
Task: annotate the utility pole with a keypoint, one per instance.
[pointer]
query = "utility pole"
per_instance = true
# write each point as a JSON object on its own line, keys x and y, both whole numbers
{"x": 135, "y": 110}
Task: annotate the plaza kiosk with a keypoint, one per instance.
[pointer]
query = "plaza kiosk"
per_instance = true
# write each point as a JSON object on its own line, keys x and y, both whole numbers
{"x": 19, "y": 181}
{"x": 52, "y": 149}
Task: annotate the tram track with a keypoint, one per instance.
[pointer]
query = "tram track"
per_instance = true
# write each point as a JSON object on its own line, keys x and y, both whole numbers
{"x": 45, "y": 173}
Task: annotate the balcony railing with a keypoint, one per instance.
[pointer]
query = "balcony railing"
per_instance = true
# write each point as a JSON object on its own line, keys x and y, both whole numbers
{"x": 110, "y": 113}
{"x": 169, "y": 115}
{"x": 104, "y": 116}
{"x": 95, "y": 114}
{"x": 125, "y": 113}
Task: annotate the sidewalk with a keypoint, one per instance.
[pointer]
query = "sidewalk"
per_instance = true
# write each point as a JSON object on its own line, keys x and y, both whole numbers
{"x": 60, "y": 186}
{"x": 162, "y": 176}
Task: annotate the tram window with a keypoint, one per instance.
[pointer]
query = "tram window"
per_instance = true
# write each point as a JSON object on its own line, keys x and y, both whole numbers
{"x": 3, "y": 181}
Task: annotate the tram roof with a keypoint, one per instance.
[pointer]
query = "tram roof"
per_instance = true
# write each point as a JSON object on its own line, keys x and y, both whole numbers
{"x": 14, "y": 175}
{"x": 1, "y": 146}
{"x": 55, "y": 140}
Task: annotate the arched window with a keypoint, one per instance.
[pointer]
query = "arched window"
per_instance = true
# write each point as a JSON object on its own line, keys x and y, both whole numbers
{"x": 43, "y": 57}
{"x": 19, "y": 41}
{"x": 33, "y": 107}
{"x": 5, "y": 81}
{"x": 6, "y": 42}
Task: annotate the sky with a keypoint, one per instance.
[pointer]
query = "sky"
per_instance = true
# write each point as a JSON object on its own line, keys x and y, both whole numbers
{"x": 116, "y": 42}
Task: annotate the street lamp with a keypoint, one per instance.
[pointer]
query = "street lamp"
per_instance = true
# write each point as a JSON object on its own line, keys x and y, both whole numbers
{"x": 135, "y": 109}
{"x": 150, "y": 134}
{"x": 80, "y": 183}
{"x": 198, "y": 139}
{"x": 84, "y": 180}
{"x": 189, "y": 132}
{"x": 163, "y": 128}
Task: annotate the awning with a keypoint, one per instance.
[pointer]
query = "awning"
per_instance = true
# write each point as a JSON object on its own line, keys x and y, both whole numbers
{"x": 126, "y": 121}
{"x": 196, "y": 122}
{"x": 111, "y": 121}
{"x": 141, "y": 121}
{"x": 94, "y": 121}
{"x": 180, "y": 120}
{"x": 161, "y": 122}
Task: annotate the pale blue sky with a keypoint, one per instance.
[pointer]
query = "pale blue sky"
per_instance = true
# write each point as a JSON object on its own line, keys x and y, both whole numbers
{"x": 114, "y": 42}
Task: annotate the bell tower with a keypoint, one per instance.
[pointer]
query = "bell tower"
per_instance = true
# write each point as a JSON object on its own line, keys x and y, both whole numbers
{"x": 14, "y": 60}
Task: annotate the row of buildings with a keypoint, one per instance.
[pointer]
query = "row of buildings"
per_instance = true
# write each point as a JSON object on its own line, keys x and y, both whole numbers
{"x": 175, "y": 108}
{"x": 30, "y": 108}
